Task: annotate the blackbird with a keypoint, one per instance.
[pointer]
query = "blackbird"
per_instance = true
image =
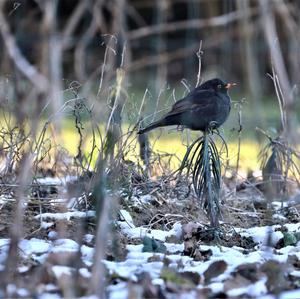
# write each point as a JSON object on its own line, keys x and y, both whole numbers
{"x": 207, "y": 106}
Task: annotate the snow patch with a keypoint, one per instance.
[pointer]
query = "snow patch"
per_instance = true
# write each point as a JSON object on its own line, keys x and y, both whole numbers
{"x": 66, "y": 215}
{"x": 61, "y": 270}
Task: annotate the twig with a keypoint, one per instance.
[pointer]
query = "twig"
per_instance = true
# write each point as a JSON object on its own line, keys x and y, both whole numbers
{"x": 199, "y": 54}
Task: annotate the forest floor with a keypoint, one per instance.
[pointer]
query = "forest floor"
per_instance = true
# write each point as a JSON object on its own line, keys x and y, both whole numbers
{"x": 160, "y": 244}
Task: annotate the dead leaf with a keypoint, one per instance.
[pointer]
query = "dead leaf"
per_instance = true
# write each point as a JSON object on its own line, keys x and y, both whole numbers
{"x": 149, "y": 289}
{"x": 191, "y": 248}
{"x": 215, "y": 269}
{"x": 248, "y": 271}
{"x": 236, "y": 282}
{"x": 194, "y": 277}
{"x": 277, "y": 281}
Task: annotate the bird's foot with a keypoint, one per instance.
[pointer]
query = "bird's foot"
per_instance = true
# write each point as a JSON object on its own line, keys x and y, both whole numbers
{"x": 213, "y": 125}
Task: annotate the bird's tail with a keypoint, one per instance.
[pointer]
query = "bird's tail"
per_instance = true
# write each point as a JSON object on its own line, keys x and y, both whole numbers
{"x": 156, "y": 124}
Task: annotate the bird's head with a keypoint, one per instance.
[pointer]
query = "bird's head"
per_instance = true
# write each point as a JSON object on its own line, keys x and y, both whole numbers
{"x": 217, "y": 85}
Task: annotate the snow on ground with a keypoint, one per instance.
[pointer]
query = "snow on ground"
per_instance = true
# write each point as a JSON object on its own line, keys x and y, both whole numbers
{"x": 264, "y": 234}
{"x": 131, "y": 231}
{"x": 66, "y": 215}
{"x": 137, "y": 261}
{"x": 48, "y": 181}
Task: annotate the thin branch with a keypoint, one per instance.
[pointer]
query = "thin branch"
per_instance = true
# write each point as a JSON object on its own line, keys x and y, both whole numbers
{"x": 73, "y": 22}
{"x": 168, "y": 56}
{"x": 199, "y": 54}
{"x": 269, "y": 28}
{"x": 29, "y": 71}
{"x": 217, "y": 21}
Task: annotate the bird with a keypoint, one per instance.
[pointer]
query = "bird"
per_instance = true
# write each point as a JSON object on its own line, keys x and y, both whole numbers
{"x": 206, "y": 107}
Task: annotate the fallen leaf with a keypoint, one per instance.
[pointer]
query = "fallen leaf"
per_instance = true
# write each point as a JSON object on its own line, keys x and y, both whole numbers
{"x": 277, "y": 281}
{"x": 215, "y": 269}
{"x": 236, "y": 282}
{"x": 248, "y": 271}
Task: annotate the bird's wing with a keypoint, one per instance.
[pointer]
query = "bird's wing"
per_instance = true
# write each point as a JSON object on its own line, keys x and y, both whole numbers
{"x": 200, "y": 99}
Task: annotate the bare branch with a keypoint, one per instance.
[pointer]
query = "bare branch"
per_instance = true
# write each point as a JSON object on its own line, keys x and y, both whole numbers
{"x": 168, "y": 56}
{"x": 189, "y": 24}
{"x": 33, "y": 75}
{"x": 73, "y": 22}
{"x": 275, "y": 51}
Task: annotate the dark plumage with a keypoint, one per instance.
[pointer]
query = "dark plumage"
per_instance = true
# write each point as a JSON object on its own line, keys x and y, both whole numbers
{"x": 206, "y": 106}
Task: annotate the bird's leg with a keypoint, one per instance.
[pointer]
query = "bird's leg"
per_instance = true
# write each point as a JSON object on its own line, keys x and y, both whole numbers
{"x": 180, "y": 128}
{"x": 212, "y": 126}
{"x": 217, "y": 130}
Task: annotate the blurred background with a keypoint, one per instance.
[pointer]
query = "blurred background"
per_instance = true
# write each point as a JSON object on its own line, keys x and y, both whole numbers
{"x": 163, "y": 48}
{"x": 77, "y": 79}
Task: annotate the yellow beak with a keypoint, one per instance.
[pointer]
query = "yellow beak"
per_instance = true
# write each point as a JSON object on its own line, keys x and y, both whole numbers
{"x": 229, "y": 85}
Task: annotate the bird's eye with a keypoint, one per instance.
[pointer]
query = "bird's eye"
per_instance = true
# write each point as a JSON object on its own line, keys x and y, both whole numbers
{"x": 219, "y": 86}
